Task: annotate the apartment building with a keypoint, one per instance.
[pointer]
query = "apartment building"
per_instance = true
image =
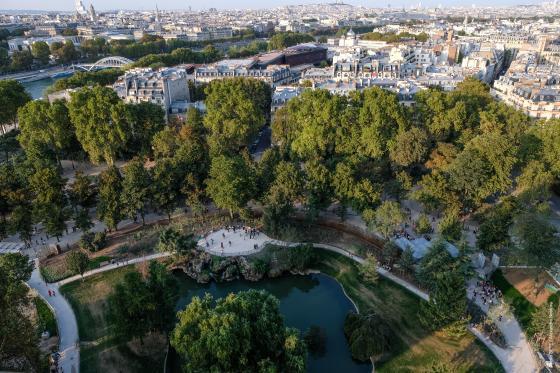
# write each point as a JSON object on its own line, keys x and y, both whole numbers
{"x": 163, "y": 87}
{"x": 538, "y": 97}
{"x": 246, "y": 68}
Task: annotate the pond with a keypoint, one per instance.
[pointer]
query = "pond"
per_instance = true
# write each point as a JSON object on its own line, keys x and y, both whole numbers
{"x": 309, "y": 300}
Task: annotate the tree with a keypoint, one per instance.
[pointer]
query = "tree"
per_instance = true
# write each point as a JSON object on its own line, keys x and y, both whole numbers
{"x": 12, "y": 97}
{"x": 437, "y": 261}
{"x": 41, "y": 52}
{"x": 165, "y": 186}
{"x": 82, "y": 193}
{"x": 534, "y": 182}
{"x": 18, "y": 334}
{"x": 64, "y": 53}
{"x": 252, "y": 318}
{"x": 129, "y": 308}
{"x": 368, "y": 269}
{"x": 48, "y": 204}
{"x": 101, "y": 121}
{"x": 447, "y": 306}
{"x": 82, "y": 220}
{"x": 164, "y": 292}
{"x": 423, "y": 224}
{"x": 170, "y": 240}
{"x": 284, "y": 191}
{"x": 369, "y": 337}
{"x": 77, "y": 261}
{"x": 109, "y": 207}
{"x": 234, "y": 113}
{"x": 45, "y": 129}
{"x": 406, "y": 261}
{"x": 146, "y": 119}
{"x": 165, "y": 143}
{"x": 537, "y": 237}
{"x": 388, "y": 217}
{"x": 22, "y": 60}
{"x": 409, "y": 147}
{"x": 230, "y": 183}
{"x": 136, "y": 189}
{"x": 450, "y": 227}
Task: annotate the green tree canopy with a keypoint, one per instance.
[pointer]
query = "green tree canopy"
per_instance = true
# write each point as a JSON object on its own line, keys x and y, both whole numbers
{"x": 231, "y": 183}
{"x": 206, "y": 328}
{"x": 12, "y": 97}
{"x": 101, "y": 121}
{"x": 109, "y": 207}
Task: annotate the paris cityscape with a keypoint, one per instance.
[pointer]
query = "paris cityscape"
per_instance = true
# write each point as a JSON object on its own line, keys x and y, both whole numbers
{"x": 344, "y": 186}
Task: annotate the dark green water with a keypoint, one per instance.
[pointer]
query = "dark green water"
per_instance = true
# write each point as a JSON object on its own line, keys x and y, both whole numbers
{"x": 304, "y": 301}
{"x": 37, "y": 88}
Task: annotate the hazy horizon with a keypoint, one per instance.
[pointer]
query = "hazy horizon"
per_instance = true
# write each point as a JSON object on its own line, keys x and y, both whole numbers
{"x": 68, "y": 5}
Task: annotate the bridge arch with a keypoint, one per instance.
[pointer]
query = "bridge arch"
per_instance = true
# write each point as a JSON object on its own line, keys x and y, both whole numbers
{"x": 107, "y": 62}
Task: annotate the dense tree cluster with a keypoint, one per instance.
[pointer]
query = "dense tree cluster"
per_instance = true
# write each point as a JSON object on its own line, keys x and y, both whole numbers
{"x": 206, "y": 328}
{"x": 140, "y": 305}
{"x": 18, "y": 334}
{"x": 287, "y": 39}
{"x": 392, "y": 37}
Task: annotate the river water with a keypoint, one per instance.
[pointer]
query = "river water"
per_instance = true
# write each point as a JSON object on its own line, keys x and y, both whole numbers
{"x": 304, "y": 301}
{"x": 37, "y": 88}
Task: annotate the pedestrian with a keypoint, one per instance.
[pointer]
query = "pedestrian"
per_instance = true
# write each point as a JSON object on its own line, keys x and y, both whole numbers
{"x": 223, "y": 235}
{"x": 222, "y": 245}
{"x": 229, "y": 243}
{"x": 49, "y": 292}
{"x": 53, "y": 293}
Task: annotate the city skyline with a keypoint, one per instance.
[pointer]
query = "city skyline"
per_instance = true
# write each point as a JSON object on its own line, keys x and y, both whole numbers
{"x": 66, "y": 5}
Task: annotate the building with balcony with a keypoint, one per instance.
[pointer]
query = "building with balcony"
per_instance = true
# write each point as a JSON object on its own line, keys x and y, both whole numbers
{"x": 164, "y": 87}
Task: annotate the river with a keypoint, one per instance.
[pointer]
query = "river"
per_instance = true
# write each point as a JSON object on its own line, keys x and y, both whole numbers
{"x": 309, "y": 300}
{"x": 37, "y": 88}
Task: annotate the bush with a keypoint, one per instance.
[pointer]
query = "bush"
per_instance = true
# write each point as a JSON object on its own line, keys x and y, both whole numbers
{"x": 46, "y": 319}
{"x": 301, "y": 257}
{"x": 93, "y": 241}
{"x": 423, "y": 224}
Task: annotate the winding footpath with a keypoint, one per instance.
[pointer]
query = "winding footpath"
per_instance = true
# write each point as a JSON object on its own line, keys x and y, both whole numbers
{"x": 517, "y": 358}
{"x": 65, "y": 319}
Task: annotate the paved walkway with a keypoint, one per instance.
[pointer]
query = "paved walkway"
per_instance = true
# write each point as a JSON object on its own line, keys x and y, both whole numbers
{"x": 110, "y": 267}
{"x": 519, "y": 356}
{"x": 65, "y": 319}
{"x": 226, "y": 242}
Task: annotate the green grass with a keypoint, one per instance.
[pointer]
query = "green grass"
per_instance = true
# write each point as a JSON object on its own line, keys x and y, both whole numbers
{"x": 96, "y": 262}
{"x": 520, "y": 306}
{"x": 417, "y": 349}
{"x": 46, "y": 319}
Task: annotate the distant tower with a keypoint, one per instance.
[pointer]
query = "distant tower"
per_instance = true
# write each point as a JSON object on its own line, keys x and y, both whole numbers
{"x": 466, "y": 21}
{"x": 92, "y": 14}
{"x": 80, "y": 8}
{"x": 157, "y": 25}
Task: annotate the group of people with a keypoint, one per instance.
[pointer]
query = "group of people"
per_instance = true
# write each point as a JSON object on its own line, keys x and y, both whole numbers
{"x": 244, "y": 231}
{"x": 487, "y": 292}
{"x": 51, "y": 293}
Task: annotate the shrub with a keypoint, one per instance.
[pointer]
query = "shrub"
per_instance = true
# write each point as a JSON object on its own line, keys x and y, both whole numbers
{"x": 423, "y": 224}
{"x": 93, "y": 241}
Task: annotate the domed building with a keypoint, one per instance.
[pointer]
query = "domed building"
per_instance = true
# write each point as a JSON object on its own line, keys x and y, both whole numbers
{"x": 348, "y": 40}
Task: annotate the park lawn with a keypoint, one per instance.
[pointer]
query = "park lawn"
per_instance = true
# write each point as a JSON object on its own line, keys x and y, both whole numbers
{"x": 46, "y": 319}
{"x": 418, "y": 349}
{"x": 520, "y": 306}
{"x": 98, "y": 351}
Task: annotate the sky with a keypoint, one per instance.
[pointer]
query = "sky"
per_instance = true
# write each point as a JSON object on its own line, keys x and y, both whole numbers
{"x": 239, "y": 4}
